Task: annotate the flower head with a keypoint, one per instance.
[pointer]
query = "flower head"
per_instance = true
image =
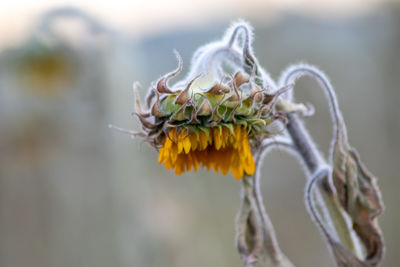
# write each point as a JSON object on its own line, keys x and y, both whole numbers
{"x": 215, "y": 115}
{"x": 222, "y": 148}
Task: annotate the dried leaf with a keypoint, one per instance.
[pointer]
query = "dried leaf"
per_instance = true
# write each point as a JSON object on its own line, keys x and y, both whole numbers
{"x": 359, "y": 196}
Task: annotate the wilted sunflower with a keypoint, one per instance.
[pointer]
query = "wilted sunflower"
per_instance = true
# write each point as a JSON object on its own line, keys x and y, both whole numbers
{"x": 215, "y": 116}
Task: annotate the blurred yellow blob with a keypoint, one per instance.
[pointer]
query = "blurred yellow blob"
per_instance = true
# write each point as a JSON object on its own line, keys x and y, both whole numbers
{"x": 46, "y": 72}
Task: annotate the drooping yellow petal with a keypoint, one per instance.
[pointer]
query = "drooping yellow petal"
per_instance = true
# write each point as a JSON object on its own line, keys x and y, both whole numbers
{"x": 220, "y": 150}
{"x": 179, "y": 167}
{"x": 237, "y": 172}
{"x": 226, "y": 161}
{"x": 249, "y": 165}
{"x": 180, "y": 147}
{"x": 186, "y": 144}
{"x": 217, "y": 138}
{"x": 193, "y": 141}
{"x": 172, "y": 153}
{"x": 203, "y": 140}
{"x": 161, "y": 155}
{"x": 225, "y": 136}
{"x": 195, "y": 161}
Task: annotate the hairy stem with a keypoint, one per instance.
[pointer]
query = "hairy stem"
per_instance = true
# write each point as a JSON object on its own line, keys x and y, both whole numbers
{"x": 328, "y": 204}
{"x": 297, "y": 71}
{"x": 256, "y": 239}
{"x": 313, "y": 160}
{"x": 303, "y": 143}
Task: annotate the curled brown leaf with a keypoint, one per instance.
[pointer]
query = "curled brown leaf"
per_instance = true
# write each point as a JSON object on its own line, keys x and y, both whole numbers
{"x": 359, "y": 196}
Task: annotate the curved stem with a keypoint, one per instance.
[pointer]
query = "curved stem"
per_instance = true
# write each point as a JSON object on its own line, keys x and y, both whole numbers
{"x": 313, "y": 161}
{"x": 303, "y": 144}
{"x": 310, "y": 203}
{"x": 297, "y": 71}
{"x": 253, "y": 218}
{"x": 247, "y": 35}
{"x": 312, "y": 158}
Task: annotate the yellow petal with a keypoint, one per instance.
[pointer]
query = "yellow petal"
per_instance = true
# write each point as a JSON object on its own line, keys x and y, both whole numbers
{"x": 188, "y": 162}
{"x": 193, "y": 141}
{"x": 217, "y": 139}
{"x": 172, "y": 153}
{"x": 168, "y": 164}
{"x": 161, "y": 156}
{"x": 226, "y": 161}
{"x": 179, "y": 169}
{"x": 186, "y": 144}
{"x": 250, "y": 165}
{"x": 237, "y": 172}
{"x": 180, "y": 146}
{"x": 195, "y": 161}
{"x": 203, "y": 140}
{"x": 225, "y": 137}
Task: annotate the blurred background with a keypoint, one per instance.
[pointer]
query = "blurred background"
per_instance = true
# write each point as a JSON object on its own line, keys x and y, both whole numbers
{"x": 75, "y": 193}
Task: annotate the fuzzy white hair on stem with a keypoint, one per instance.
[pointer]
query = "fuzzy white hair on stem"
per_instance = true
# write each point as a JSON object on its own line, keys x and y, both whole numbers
{"x": 295, "y": 72}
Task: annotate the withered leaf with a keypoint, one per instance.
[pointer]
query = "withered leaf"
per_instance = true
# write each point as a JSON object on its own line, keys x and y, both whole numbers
{"x": 359, "y": 196}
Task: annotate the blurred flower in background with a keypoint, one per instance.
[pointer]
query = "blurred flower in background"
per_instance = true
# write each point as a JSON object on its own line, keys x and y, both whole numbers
{"x": 52, "y": 93}
{"x": 74, "y": 193}
{"x": 43, "y": 69}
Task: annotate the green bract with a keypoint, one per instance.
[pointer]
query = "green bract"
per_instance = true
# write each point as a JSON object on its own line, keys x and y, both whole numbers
{"x": 203, "y": 103}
